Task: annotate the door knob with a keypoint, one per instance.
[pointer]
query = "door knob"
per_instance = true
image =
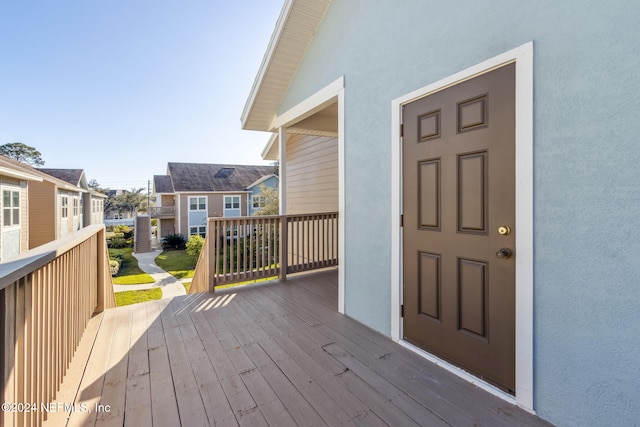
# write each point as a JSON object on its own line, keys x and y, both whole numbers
{"x": 504, "y": 253}
{"x": 505, "y": 230}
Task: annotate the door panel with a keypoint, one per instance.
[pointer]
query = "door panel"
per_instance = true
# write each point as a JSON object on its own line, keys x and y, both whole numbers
{"x": 458, "y": 189}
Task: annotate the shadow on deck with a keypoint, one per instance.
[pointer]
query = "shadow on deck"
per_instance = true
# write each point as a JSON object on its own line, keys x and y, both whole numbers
{"x": 275, "y": 354}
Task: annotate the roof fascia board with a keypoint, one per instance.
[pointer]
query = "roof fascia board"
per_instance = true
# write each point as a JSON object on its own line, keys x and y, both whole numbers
{"x": 20, "y": 175}
{"x": 261, "y": 180}
{"x": 266, "y": 60}
{"x": 267, "y": 148}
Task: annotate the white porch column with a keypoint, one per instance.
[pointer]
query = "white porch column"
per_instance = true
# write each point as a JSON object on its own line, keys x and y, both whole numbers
{"x": 282, "y": 186}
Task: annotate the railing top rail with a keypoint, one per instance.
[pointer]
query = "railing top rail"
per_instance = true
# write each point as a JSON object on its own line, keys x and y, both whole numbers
{"x": 258, "y": 217}
{"x": 30, "y": 261}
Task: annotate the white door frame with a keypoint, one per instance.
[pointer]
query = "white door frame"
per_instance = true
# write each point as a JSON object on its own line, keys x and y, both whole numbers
{"x": 523, "y": 58}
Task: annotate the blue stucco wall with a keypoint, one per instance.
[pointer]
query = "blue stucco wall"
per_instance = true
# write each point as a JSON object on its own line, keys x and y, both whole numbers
{"x": 586, "y": 171}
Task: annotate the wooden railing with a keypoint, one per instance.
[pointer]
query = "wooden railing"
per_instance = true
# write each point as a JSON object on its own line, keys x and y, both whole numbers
{"x": 202, "y": 278}
{"x": 163, "y": 211}
{"x": 249, "y": 248}
{"x": 47, "y": 296}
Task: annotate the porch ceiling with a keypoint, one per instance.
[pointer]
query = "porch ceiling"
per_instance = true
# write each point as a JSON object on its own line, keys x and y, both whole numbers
{"x": 321, "y": 123}
{"x": 294, "y": 30}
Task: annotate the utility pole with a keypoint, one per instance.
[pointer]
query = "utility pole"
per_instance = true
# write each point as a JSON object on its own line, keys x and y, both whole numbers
{"x": 149, "y": 198}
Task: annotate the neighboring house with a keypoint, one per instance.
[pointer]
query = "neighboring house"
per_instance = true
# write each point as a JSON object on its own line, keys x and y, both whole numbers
{"x": 55, "y": 208}
{"x": 15, "y": 179}
{"x": 256, "y": 199}
{"x": 488, "y": 200}
{"x": 92, "y": 202}
{"x": 112, "y": 212}
{"x": 51, "y": 207}
{"x": 191, "y": 192}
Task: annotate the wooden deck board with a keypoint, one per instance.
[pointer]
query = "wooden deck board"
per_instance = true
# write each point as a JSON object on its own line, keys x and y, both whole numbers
{"x": 138, "y": 401}
{"x": 270, "y": 355}
{"x": 164, "y": 406}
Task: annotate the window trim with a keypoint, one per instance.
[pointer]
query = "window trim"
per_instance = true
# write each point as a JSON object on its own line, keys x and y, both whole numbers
{"x": 64, "y": 207}
{"x": 231, "y": 196}
{"x": 12, "y": 192}
{"x": 261, "y": 201}
{"x": 201, "y": 230}
{"x": 197, "y": 203}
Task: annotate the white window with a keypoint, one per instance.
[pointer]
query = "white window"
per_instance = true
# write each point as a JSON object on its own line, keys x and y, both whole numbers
{"x": 200, "y": 229}
{"x": 197, "y": 203}
{"x": 257, "y": 201}
{"x": 232, "y": 202}
{"x": 65, "y": 207}
{"x": 76, "y": 207}
{"x": 10, "y": 208}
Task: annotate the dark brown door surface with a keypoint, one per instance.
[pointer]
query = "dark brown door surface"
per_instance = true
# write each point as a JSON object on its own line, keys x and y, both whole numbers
{"x": 459, "y": 225}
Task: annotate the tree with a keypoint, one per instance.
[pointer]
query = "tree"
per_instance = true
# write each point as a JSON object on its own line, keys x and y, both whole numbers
{"x": 271, "y": 202}
{"x": 130, "y": 201}
{"x": 22, "y": 153}
{"x": 95, "y": 185}
{"x": 126, "y": 201}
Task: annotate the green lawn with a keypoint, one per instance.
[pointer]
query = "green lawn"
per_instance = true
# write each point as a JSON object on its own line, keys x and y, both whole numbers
{"x": 135, "y": 297}
{"x": 130, "y": 273}
{"x": 177, "y": 263}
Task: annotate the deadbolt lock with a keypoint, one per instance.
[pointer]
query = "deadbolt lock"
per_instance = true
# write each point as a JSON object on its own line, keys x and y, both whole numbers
{"x": 504, "y": 230}
{"x": 504, "y": 253}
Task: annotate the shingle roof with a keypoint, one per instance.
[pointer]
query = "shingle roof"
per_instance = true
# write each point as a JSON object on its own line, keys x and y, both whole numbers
{"x": 38, "y": 174}
{"x": 162, "y": 184}
{"x": 211, "y": 177}
{"x": 72, "y": 176}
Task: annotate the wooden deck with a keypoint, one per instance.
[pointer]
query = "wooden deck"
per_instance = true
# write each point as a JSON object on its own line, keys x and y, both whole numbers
{"x": 276, "y": 354}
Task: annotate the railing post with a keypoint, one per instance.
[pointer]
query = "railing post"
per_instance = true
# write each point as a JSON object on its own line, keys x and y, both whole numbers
{"x": 284, "y": 249}
{"x": 101, "y": 251}
{"x": 212, "y": 250}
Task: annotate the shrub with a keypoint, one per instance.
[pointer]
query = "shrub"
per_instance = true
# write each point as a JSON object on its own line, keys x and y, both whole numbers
{"x": 194, "y": 245}
{"x": 114, "y": 265}
{"x": 173, "y": 241}
{"x": 117, "y": 243}
{"x": 118, "y": 256}
{"x": 120, "y": 228}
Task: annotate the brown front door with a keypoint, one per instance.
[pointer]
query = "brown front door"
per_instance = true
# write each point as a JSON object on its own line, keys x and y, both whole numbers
{"x": 459, "y": 225}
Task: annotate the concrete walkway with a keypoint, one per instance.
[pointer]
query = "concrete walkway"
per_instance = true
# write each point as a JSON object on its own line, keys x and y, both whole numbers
{"x": 171, "y": 287}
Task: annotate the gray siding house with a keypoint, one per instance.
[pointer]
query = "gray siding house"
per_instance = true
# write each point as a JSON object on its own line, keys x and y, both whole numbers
{"x": 91, "y": 203}
{"x": 191, "y": 192}
{"x": 483, "y": 159}
{"x": 15, "y": 179}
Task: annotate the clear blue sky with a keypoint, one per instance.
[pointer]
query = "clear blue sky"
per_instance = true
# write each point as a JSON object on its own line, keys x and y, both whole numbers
{"x": 121, "y": 87}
